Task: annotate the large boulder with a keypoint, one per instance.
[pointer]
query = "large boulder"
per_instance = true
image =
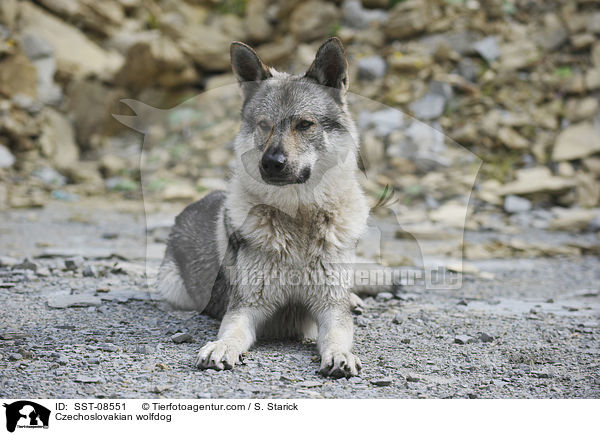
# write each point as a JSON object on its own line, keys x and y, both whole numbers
{"x": 57, "y": 140}
{"x": 18, "y": 76}
{"x": 407, "y": 19}
{"x": 576, "y": 141}
{"x": 313, "y": 20}
{"x": 155, "y": 60}
{"x": 91, "y": 104}
{"x": 76, "y": 55}
{"x": 102, "y": 17}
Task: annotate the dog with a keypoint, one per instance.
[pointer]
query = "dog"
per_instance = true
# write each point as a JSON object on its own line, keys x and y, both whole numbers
{"x": 270, "y": 256}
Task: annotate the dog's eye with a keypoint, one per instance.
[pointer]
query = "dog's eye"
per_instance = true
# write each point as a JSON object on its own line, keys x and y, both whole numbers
{"x": 304, "y": 125}
{"x": 264, "y": 125}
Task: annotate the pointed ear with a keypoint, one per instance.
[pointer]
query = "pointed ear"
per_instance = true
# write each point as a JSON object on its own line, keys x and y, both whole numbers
{"x": 330, "y": 67}
{"x": 247, "y": 66}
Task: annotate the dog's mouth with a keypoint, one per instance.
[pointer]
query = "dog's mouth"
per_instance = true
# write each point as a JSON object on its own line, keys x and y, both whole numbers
{"x": 285, "y": 179}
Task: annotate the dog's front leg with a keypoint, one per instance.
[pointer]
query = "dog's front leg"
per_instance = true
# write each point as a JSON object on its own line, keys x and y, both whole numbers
{"x": 335, "y": 342}
{"x": 236, "y": 334}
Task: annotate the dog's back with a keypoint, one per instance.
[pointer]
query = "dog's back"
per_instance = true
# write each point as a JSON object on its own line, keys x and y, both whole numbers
{"x": 190, "y": 277}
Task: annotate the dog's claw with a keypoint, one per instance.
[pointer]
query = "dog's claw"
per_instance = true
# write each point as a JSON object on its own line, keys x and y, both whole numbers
{"x": 217, "y": 355}
{"x": 339, "y": 365}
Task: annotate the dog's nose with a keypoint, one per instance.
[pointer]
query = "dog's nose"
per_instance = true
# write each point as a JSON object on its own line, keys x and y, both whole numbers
{"x": 273, "y": 162}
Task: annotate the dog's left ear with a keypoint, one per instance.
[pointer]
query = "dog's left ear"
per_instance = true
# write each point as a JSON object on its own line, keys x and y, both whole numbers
{"x": 330, "y": 67}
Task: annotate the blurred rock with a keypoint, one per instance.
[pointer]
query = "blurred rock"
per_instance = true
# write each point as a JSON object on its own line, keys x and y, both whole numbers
{"x": 18, "y": 76}
{"x": 579, "y": 110}
{"x": 430, "y": 106}
{"x": 574, "y": 219}
{"x": 512, "y": 139}
{"x": 208, "y": 47}
{"x": 592, "y": 79}
{"x": 357, "y": 17}
{"x": 35, "y": 47}
{"x": 516, "y": 204}
{"x": 384, "y": 121}
{"x": 39, "y": 51}
{"x": 273, "y": 53}
{"x": 407, "y": 19}
{"x": 8, "y": 13}
{"x": 50, "y": 176}
{"x": 86, "y": 173}
{"x": 6, "y": 157}
{"x": 91, "y": 104}
{"x": 451, "y": 214}
{"x": 588, "y": 189}
{"x": 313, "y": 20}
{"x": 155, "y": 61}
{"x": 76, "y": 55}
{"x": 372, "y": 67}
{"x": 409, "y": 62}
{"x": 257, "y": 22}
{"x": 57, "y": 140}
{"x": 576, "y": 141}
{"x": 468, "y": 69}
{"x": 592, "y": 164}
{"x": 534, "y": 180}
{"x": 518, "y": 55}
{"x": 488, "y": 48}
{"x": 111, "y": 165}
{"x": 553, "y": 34}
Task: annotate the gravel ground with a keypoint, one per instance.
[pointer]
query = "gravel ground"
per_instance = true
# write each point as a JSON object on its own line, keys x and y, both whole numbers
{"x": 533, "y": 331}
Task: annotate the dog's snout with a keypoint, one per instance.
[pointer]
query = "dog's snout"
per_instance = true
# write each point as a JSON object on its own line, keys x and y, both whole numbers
{"x": 273, "y": 162}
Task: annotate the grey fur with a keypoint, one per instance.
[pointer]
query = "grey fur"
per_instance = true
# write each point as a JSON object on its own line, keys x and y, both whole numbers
{"x": 305, "y": 224}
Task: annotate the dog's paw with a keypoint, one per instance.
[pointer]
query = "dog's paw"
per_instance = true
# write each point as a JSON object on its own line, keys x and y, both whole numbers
{"x": 339, "y": 365}
{"x": 218, "y": 355}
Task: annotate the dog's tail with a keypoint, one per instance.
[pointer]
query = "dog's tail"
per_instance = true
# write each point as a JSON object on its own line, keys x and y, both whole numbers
{"x": 171, "y": 286}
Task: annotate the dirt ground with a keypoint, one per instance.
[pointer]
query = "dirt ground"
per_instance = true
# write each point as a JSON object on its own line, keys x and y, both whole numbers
{"x": 78, "y": 320}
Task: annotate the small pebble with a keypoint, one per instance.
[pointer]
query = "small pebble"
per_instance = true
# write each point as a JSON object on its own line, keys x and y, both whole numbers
{"x": 89, "y": 270}
{"x": 25, "y": 265}
{"x": 405, "y": 341}
{"x": 384, "y": 297}
{"x": 382, "y": 382}
{"x": 181, "y": 337}
{"x": 15, "y": 357}
{"x": 108, "y": 347}
{"x": 485, "y": 338}
{"x": 398, "y": 318}
{"x": 310, "y": 384}
{"x": 88, "y": 379}
{"x": 463, "y": 339}
{"x": 158, "y": 389}
{"x": 361, "y": 321}
{"x": 142, "y": 348}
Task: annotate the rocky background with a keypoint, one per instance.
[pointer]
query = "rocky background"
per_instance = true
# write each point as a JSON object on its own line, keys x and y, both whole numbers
{"x": 516, "y": 82}
{"x": 507, "y": 97}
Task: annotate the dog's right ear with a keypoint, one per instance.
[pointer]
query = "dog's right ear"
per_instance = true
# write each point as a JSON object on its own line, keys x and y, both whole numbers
{"x": 247, "y": 67}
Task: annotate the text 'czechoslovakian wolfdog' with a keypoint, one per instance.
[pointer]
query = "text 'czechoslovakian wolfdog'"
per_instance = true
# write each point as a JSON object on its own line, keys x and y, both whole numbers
{"x": 270, "y": 256}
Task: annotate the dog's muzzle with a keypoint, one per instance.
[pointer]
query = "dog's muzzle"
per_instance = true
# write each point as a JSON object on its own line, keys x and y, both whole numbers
{"x": 274, "y": 169}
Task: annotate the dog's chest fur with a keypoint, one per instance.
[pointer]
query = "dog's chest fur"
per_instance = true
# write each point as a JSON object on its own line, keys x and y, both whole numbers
{"x": 312, "y": 235}
{"x": 303, "y": 248}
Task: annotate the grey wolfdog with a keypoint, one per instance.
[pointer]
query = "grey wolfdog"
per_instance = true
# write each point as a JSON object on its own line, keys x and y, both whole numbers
{"x": 270, "y": 254}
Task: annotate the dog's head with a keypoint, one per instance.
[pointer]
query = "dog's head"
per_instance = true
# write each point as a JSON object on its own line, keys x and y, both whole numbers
{"x": 294, "y": 128}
